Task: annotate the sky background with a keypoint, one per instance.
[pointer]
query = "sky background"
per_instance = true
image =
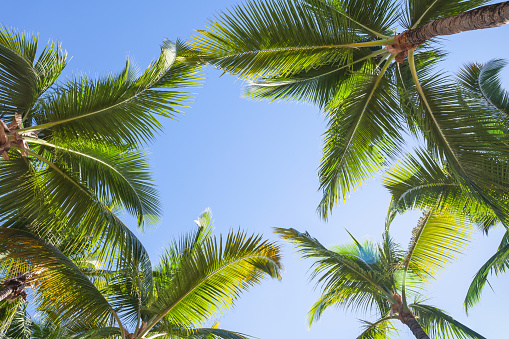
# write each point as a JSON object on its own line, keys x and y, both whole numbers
{"x": 255, "y": 163}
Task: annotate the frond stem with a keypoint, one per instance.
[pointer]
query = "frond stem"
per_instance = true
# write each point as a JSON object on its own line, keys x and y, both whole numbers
{"x": 413, "y": 70}
{"x": 152, "y": 322}
{"x": 423, "y": 14}
{"x": 380, "y": 35}
{"x": 274, "y": 84}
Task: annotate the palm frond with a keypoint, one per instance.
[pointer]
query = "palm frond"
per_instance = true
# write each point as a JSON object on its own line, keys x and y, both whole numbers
{"x": 61, "y": 287}
{"x": 98, "y": 333}
{"x": 436, "y": 240}
{"x": 86, "y": 108}
{"x": 212, "y": 277}
{"x": 369, "y": 17}
{"x": 364, "y": 132}
{"x": 380, "y": 329}
{"x": 349, "y": 276}
{"x": 463, "y": 133}
{"x": 497, "y": 263}
{"x": 173, "y": 331}
{"x": 421, "y": 181}
{"x": 483, "y": 81}
{"x": 24, "y": 78}
{"x": 15, "y": 321}
{"x": 318, "y": 85}
{"x": 112, "y": 173}
{"x": 275, "y": 38}
{"x": 51, "y": 201}
{"x": 438, "y": 324}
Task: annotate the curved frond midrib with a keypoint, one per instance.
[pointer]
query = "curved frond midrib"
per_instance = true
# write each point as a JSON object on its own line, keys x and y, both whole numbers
{"x": 42, "y": 142}
{"x": 196, "y": 286}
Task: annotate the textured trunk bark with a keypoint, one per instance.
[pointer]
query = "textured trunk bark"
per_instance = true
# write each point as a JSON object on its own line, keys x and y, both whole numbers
{"x": 483, "y": 17}
{"x": 6, "y": 292}
{"x": 409, "y": 319}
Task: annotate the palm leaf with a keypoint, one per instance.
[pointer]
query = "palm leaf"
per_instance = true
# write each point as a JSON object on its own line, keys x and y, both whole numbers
{"x": 212, "y": 277}
{"x": 112, "y": 173}
{"x": 349, "y": 276}
{"x": 363, "y": 133}
{"x": 483, "y": 81}
{"x": 318, "y": 85}
{"x": 438, "y": 324}
{"x": 52, "y": 201}
{"x": 99, "y": 333}
{"x": 497, "y": 263}
{"x": 420, "y": 181}
{"x": 62, "y": 288}
{"x": 463, "y": 133}
{"x": 23, "y": 77}
{"x": 369, "y": 17}
{"x": 87, "y": 108}
{"x": 275, "y": 38}
{"x": 436, "y": 240}
{"x": 380, "y": 329}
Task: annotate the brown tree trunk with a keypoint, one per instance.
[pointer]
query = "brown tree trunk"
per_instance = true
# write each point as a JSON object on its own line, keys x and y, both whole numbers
{"x": 6, "y": 292}
{"x": 483, "y": 17}
{"x": 15, "y": 287}
{"x": 409, "y": 319}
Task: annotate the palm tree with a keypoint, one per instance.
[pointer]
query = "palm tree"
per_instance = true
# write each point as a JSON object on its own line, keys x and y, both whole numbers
{"x": 338, "y": 54}
{"x": 198, "y": 276}
{"x": 422, "y": 182}
{"x": 71, "y": 149}
{"x": 381, "y": 278}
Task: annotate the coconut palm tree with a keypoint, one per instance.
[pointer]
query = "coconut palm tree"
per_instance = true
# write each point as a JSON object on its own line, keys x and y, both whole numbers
{"x": 423, "y": 182}
{"x": 71, "y": 148}
{"x": 340, "y": 55}
{"x": 383, "y": 279}
{"x": 198, "y": 276}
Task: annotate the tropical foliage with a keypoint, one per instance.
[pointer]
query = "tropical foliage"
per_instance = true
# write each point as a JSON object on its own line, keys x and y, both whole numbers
{"x": 339, "y": 55}
{"x": 71, "y": 148}
{"x": 421, "y": 181}
{"x": 198, "y": 277}
{"x": 383, "y": 279}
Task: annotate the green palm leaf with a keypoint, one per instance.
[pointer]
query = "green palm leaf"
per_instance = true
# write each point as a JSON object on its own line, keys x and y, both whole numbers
{"x": 52, "y": 200}
{"x": 318, "y": 85}
{"x": 212, "y": 277}
{"x": 110, "y": 172}
{"x": 99, "y": 333}
{"x": 172, "y": 331}
{"x": 350, "y": 276}
{"x": 436, "y": 240}
{"x": 87, "y": 108}
{"x": 265, "y": 39}
{"x": 23, "y": 77}
{"x": 497, "y": 263}
{"x": 381, "y": 329}
{"x": 463, "y": 133}
{"x": 483, "y": 81}
{"x": 58, "y": 278}
{"x": 438, "y": 324}
{"x": 362, "y": 135}
{"x": 420, "y": 181}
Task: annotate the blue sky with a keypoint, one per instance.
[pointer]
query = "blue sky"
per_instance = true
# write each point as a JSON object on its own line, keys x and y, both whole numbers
{"x": 254, "y": 163}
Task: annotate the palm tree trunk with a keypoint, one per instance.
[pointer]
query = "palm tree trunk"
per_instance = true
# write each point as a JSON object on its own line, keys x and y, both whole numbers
{"x": 6, "y": 292}
{"x": 483, "y": 17}
{"x": 409, "y": 319}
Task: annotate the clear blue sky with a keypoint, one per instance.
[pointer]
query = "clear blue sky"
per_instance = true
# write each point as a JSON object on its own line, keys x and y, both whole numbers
{"x": 255, "y": 163}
